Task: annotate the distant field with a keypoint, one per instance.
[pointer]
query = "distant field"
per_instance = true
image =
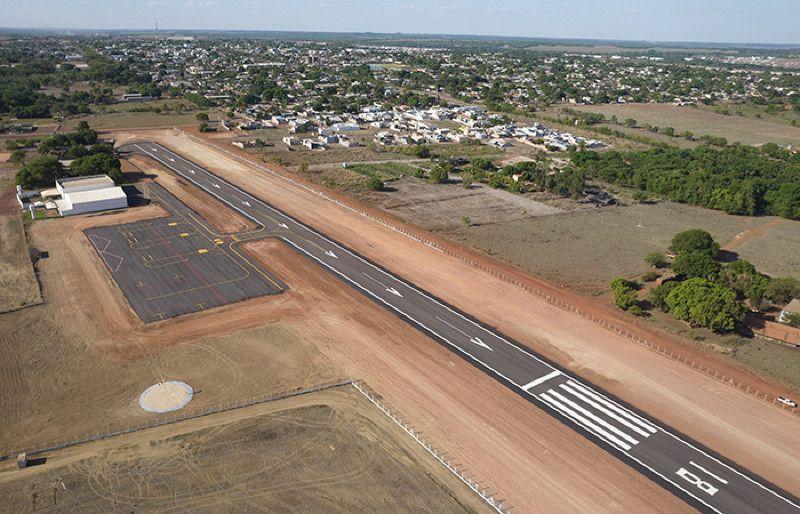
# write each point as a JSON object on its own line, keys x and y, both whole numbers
{"x": 132, "y": 120}
{"x": 701, "y": 122}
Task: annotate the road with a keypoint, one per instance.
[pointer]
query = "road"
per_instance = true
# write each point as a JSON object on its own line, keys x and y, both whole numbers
{"x": 696, "y": 474}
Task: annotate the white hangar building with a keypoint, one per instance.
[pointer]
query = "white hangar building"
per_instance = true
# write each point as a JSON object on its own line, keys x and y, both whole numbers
{"x": 92, "y": 193}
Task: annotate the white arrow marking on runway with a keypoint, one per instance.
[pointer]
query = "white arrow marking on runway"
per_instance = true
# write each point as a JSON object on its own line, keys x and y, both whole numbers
{"x": 191, "y": 171}
{"x": 394, "y": 291}
{"x": 330, "y": 254}
{"x": 246, "y": 203}
{"x": 283, "y": 225}
{"x": 171, "y": 159}
{"x": 215, "y": 185}
{"x": 473, "y": 340}
{"x": 388, "y": 289}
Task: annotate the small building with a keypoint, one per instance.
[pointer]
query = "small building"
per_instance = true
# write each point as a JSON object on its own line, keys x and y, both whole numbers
{"x": 789, "y": 310}
{"x": 80, "y": 195}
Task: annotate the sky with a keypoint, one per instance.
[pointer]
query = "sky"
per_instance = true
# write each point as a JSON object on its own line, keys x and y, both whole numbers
{"x": 731, "y": 21}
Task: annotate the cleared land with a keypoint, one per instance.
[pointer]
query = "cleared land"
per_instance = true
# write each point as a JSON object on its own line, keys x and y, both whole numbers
{"x": 701, "y": 122}
{"x": 324, "y": 452}
{"x": 18, "y": 284}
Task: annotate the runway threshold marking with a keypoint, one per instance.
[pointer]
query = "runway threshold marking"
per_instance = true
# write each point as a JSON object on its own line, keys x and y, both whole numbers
{"x": 541, "y": 380}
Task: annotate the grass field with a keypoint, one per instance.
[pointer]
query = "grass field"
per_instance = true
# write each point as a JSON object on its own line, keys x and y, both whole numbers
{"x": 701, "y": 122}
{"x": 131, "y": 120}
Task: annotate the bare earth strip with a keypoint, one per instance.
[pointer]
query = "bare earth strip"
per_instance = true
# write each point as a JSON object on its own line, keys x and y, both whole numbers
{"x": 754, "y": 434}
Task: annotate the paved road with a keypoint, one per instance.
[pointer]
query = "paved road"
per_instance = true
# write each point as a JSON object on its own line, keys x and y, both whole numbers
{"x": 703, "y": 479}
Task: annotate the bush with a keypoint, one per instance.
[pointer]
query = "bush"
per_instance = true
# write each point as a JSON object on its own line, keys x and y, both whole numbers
{"x": 649, "y": 276}
{"x": 17, "y": 156}
{"x": 624, "y": 293}
{"x": 694, "y": 240}
{"x": 374, "y": 183}
{"x": 467, "y": 180}
{"x": 438, "y": 175}
{"x": 695, "y": 264}
{"x": 656, "y": 260}
{"x": 792, "y": 319}
{"x": 703, "y": 303}
{"x": 201, "y": 116}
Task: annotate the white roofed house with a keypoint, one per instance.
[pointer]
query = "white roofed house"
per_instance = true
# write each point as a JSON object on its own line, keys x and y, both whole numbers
{"x": 80, "y": 195}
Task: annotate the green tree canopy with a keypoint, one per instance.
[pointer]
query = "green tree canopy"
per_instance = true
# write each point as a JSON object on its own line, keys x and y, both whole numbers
{"x": 39, "y": 172}
{"x": 694, "y": 240}
{"x": 624, "y": 293}
{"x": 695, "y": 264}
{"x": 703, "y": 303}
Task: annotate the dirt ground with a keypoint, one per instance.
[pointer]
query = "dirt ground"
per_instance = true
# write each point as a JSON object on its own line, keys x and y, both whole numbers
{"x": 18, "y": 284}
{"x": 444, "y": 206}
{"x": 701, "y": 122}
{"x": 586, "y": 249}
{"x": 747, "y": 430}
{"x": 323, "y": 452}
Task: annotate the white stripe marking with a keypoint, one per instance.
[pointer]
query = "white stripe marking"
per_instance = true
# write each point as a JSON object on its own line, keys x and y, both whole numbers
{"x": 593, "y": 416}
{"x": 604, "y": 410}
{"x": 701, "y": 468}
{"x": 533, "y": 383}
{"x": 614, "y": 406}
{"x": 575, "y": 416}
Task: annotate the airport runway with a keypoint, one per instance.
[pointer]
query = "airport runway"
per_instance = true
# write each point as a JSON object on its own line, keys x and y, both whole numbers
{"x": 694, "y": 473}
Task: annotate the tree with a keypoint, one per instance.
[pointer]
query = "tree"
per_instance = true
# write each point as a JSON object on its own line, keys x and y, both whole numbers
{"x": 782, "y": 290}
{"x": 695, "y": 264}
{"x": 658, "y": 295}
{"x": 624, "y": 293}
{"x": 705, "y": 304}
{"x": 39, "y": 172}
{"x": 656, "y": 260}
{"x": 99, "y": 163}
{"x": 694, "y": 240}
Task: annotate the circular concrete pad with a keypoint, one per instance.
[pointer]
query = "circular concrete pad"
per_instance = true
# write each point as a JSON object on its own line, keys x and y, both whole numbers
{"x": 166, "y": 396}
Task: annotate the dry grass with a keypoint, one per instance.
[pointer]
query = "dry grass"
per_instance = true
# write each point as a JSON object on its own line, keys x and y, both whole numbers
{"x": 323, "y": 452}
{"x": 701, "y": 122}
{"x": 18, "y": 284}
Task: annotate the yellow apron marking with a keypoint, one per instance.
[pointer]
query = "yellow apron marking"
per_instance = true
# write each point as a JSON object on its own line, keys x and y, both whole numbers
{"x": 172, "y": 224}
{"x": 202, "y": 251}
{"x": 184, "y": 234}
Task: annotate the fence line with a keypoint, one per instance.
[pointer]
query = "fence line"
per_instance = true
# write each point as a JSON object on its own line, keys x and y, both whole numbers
{"x": 437, "y": 454}
{"x": 178, "y": 416}
{"x": 494, "y": 272}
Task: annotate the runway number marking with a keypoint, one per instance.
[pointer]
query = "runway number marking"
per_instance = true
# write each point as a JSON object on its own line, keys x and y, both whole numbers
{"x": 696, "y": 481}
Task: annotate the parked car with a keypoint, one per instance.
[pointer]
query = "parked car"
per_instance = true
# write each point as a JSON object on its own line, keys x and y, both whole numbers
{"x": 787, "y": 401}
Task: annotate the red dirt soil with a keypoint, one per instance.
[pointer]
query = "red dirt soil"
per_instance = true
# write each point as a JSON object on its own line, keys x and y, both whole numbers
{"x": 745, "y": 429}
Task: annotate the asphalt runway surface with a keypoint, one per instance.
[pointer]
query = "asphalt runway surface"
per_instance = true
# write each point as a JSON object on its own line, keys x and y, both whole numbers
{"x": 696, "y": 474}
{"x": 176, "y": 265}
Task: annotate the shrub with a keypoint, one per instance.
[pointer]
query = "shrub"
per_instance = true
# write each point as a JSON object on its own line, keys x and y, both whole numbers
{"x": 658, "y": 295}
{"x": 649, "y": 276}
{"x": 656, "y": 259}
{"x": 374, "y": 183}
{"x": 624, "y": 293}
{"x": 438, "y": 175}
